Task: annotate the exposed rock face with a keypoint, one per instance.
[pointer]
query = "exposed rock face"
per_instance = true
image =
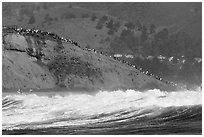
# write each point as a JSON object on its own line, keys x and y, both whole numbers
{"x": 30, "y": 62}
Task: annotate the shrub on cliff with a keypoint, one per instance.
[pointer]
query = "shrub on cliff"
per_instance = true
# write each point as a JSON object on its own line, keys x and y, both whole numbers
{"x": 59, "y": 46}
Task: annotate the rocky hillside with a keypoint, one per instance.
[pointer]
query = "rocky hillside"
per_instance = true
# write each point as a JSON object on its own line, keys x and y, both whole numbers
{"x": 43, "y": 60}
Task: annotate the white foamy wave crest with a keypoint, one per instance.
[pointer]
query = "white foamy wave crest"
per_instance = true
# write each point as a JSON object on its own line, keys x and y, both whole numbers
{"x": 35, "y": 111}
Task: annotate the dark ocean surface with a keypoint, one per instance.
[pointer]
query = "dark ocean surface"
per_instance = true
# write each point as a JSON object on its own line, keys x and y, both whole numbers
{"x": 113, "y": 113}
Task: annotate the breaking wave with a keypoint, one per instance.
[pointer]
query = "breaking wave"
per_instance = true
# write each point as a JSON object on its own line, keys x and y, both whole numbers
{"x": 36, "y": 112}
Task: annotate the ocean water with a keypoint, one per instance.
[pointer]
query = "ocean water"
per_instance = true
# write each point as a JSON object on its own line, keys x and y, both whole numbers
{"x": 116, "y": 112}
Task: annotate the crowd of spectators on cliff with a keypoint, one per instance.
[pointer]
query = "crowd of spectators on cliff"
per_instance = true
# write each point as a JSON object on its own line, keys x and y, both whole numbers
{"x": 48, "y": 35}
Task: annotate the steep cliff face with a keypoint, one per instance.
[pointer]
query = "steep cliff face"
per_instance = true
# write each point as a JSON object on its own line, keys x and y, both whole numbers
{"x": 42, "y": 63}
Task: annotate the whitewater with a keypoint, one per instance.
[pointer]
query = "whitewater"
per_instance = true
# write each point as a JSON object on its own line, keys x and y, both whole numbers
{"x": 115, "y": 112}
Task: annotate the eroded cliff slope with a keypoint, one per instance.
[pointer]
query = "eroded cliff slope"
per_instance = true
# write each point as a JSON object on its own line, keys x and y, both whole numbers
{"x": 39, "y": 61}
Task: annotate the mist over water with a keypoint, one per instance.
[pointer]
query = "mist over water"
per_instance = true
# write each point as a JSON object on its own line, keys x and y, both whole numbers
{"x": 36, "y": 112}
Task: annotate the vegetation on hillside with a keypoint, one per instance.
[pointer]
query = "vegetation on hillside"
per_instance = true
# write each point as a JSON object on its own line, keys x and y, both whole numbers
{"x": 152, "y": 43}
{"x": 139, "y": 33}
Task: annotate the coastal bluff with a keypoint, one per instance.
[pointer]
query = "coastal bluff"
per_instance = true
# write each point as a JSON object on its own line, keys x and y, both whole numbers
{"x": 40, "y": 62}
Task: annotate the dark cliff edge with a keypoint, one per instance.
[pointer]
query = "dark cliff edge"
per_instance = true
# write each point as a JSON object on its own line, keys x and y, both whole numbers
{"x": 37, "y": 61}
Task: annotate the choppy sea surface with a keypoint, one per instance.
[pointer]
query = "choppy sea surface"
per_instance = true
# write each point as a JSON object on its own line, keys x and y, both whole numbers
{"x": 116, "y": 112}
